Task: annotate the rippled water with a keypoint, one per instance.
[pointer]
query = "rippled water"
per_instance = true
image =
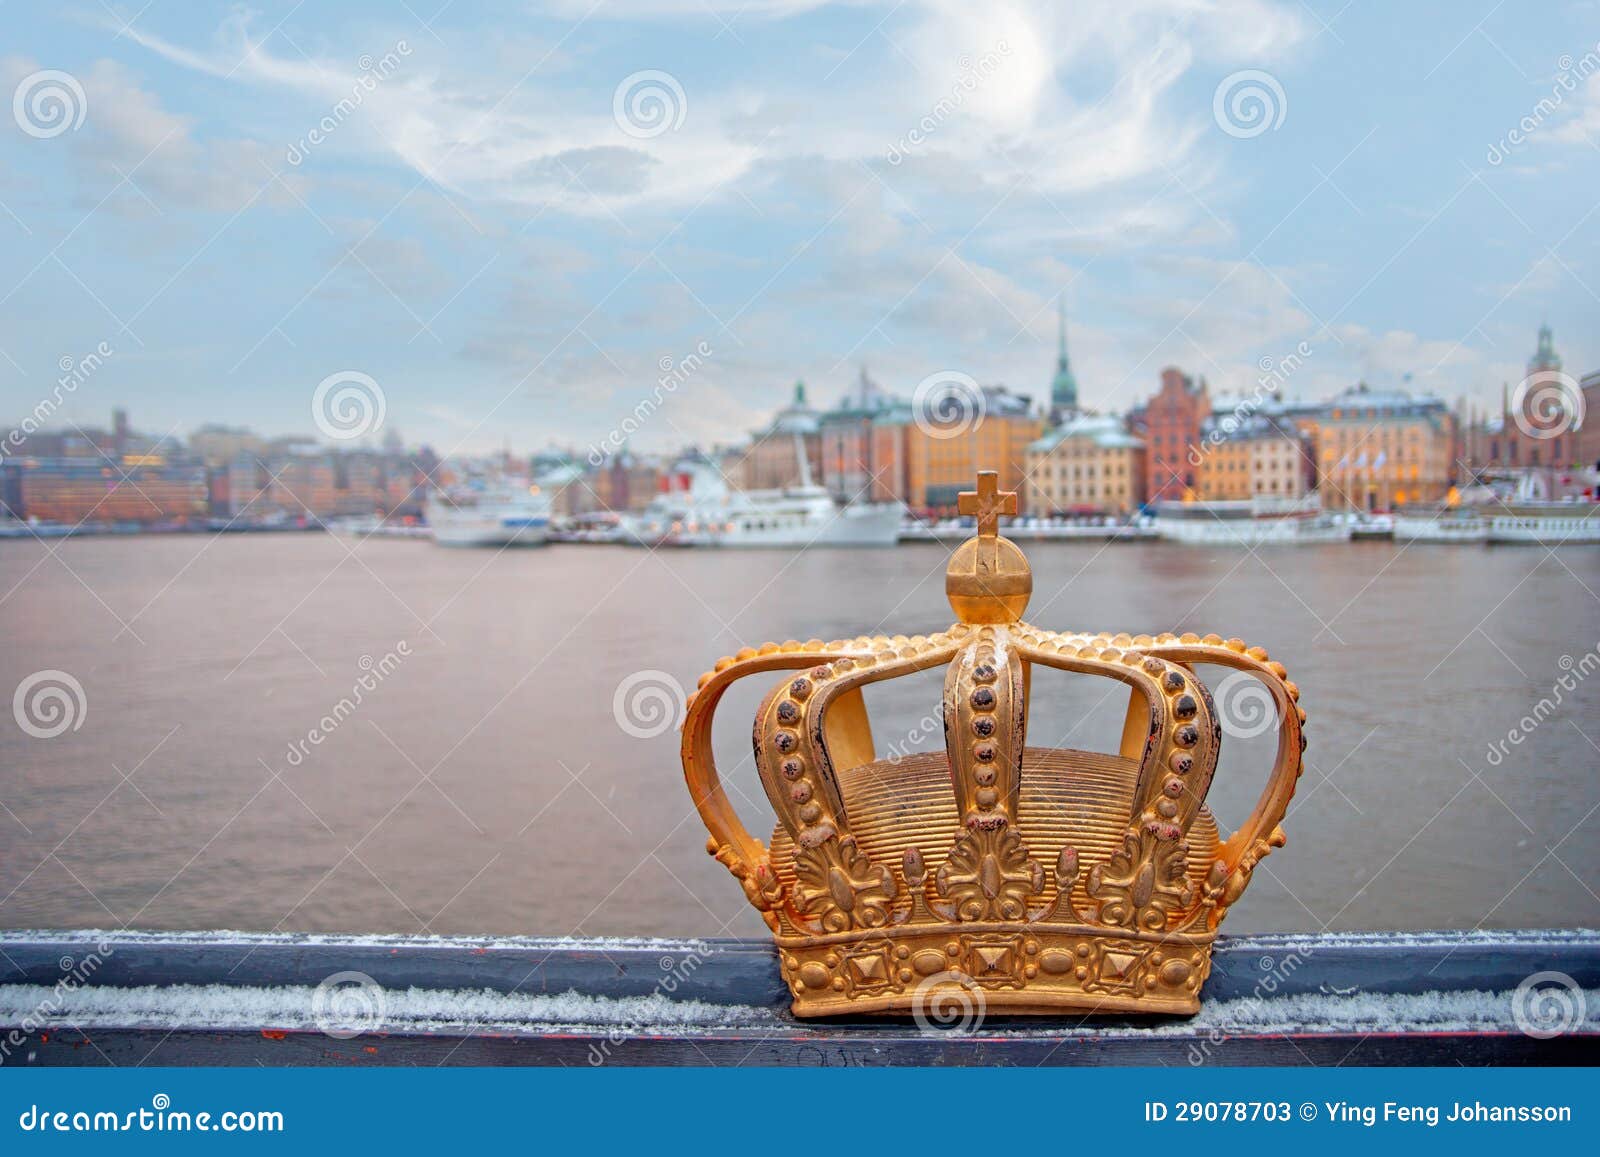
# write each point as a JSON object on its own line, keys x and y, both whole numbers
{"x": 484, "y": 784}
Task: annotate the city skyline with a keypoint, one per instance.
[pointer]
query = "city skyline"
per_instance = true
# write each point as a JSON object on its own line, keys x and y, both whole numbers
{"x": 937, "y": 389}
{"x": 511, "y": 243}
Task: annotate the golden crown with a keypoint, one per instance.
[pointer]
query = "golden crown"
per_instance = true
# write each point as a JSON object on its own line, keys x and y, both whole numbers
{"x": 884, "y": 891}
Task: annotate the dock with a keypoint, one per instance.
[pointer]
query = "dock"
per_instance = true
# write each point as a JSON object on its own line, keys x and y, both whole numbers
{"x": 217, "y": 998}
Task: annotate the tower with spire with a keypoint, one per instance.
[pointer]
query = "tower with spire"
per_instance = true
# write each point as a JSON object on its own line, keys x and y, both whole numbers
{"x": 1064, "y": 387}
{"x": 1545, "y": 358}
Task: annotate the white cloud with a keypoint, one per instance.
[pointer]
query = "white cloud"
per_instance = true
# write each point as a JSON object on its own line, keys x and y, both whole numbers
{"x": 1080, "y": 102}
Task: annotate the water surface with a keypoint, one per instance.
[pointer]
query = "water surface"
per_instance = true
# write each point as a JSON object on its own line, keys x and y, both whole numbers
{"x": 483, "y": 783}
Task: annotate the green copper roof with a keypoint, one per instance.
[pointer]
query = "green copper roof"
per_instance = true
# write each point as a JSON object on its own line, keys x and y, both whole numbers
{"x": 1063, "y": 387}
{"x": 1545, "y": 358}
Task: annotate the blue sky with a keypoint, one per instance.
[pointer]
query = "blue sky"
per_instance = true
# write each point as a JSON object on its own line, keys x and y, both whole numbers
{"x": 511, "y": 258}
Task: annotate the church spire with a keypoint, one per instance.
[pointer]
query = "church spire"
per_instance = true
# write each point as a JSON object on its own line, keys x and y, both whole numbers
{"x": 1545, "y": 357}
{"x": 1064, "y": 387}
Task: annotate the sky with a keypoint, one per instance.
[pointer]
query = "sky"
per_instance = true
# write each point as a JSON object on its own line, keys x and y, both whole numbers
{"x": 506, "y": 219}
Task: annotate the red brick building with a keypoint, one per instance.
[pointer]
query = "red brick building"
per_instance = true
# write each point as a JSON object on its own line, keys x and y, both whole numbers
{"x": 1548, "y": 427}
{"x": 1169, "y": 423}
{"x": 863, "y": 442}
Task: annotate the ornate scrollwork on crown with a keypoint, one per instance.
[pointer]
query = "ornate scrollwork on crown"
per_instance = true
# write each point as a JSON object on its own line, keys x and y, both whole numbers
{"x": 1147, "y": 883}
{"x": 841, "y": 888}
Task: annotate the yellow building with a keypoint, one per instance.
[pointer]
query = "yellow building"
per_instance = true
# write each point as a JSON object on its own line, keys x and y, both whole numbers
{"x": 1087, "y": 465}
{"x": 1249, "y": 456}
{"x": 942, "y": 458}
{"x": 1378, "y": 449}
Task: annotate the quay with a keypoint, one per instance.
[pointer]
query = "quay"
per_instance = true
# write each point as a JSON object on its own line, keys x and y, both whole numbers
{"x": 219, "y": 998}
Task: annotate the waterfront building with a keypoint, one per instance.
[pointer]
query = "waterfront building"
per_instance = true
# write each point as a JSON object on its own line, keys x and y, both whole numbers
{"x": 1548, "y": 431}
{"x": 566, "y": 488}
{"x": 1089, "y": 464}
{"x": 1169, "y": 424}
{"x": 296, "y": 480}
{"x": 1587, "y": 435}
{"x": 941, "y": 460}
{"x": 1378, "y": 449}
{"x": 1242, "y": 455}
{"x": 863, "y": 445}
{"x": 143, "y": 489}
{"x": 772, "y": 460}
{"x": 624, "y": 482}
{"x": 361, "y": 484}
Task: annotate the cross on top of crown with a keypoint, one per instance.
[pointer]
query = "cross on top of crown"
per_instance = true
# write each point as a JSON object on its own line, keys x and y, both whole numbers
{"x": 988, "y": 502}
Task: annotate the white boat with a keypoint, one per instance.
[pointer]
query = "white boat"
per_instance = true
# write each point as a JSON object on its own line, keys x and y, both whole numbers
{"x": 1249, "y": 523}
{"x": 1528, "y": 523}
{"x": 954, "y": 531}
{"x": 795, "y": 517}
{"x": 503, "y": 512}
{"x": 1370, "y": 526}
{"x": 365, "y": 526}
{"x": 1548, "y": 528}
{"x": 1449, "y": 526}
{"x": 710, "y": 513}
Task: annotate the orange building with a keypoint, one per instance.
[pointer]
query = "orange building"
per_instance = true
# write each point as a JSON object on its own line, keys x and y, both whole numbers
{"x": 143, "y": 488}
{"x": 943, "y": 460}
{"x": 1255, "y": 456}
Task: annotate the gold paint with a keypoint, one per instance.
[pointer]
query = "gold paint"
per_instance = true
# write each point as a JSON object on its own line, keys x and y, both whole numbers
{"x": 1055, "y": 880}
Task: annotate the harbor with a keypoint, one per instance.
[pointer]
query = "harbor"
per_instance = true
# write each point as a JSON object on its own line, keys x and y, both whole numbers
{"x": 1247, "y": 469}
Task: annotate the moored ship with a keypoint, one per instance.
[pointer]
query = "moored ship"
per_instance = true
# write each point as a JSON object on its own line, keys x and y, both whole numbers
{"x": 1249, "y": 523}
{"x": 503, "y": 512}
{"x": 706, "y": 511}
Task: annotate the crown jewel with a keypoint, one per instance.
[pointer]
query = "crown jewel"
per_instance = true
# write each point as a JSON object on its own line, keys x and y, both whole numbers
{"x": 1048, "y": 880}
